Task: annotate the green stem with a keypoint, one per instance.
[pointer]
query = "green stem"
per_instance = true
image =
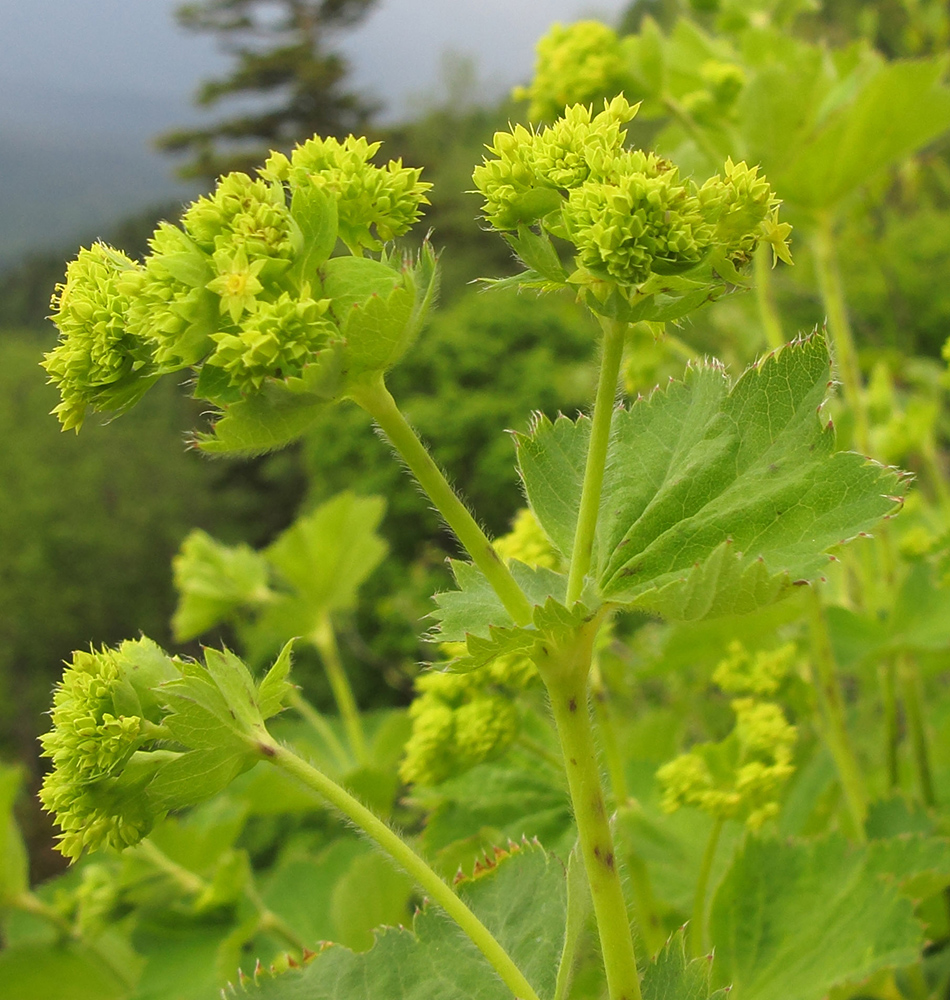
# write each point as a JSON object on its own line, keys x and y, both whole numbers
{"x": 194, "y": 885}
{"x": 596, "y": 458}
{"x": 888, "y": 677}
{"x": 916, "y": 729}
{"x": 324, "y": 638}
{"x": 839, "y": 327}
{"x": 407, "y": 859}
{"x": 697, "y": 926}
{"x": 831, "y": 704}
{"x": 608, "y": 735}
{"x": 376, "y": 399}
{"x": 765, "y": 297}
{"x": 565, "y": 674}
{"x": 320, "y": 725}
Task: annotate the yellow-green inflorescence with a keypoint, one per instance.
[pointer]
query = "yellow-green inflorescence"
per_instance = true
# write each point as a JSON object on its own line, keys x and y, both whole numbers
{"x": 742, "y": 776}
{"x": 636, "y": 226}
{"x": 236, "y": 290}
{"x": 576, "y": 63}
{"x": 463, "y": 719}
{"x": 103, "y": 714}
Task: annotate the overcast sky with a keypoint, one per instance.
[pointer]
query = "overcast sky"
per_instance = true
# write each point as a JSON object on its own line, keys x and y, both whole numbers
{"x": 132, "y": 51}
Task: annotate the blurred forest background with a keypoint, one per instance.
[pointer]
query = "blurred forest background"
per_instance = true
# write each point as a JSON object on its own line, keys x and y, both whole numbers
{"x": 88, "y": 526}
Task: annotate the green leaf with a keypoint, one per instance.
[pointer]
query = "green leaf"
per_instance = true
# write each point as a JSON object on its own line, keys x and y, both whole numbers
{"x": 372, "y": 893}
{"x": 197, "y": 775}
{"x": 236, "y": 685}
{"x": 538, "y": 254}
{"x": 213, "y": 581}
{"x": 201, "y": 719}
{"x": 674, "y": 976}
{"x": 314, "y": 215}
{"x": 35, "y": 971}
{"x": 717, "y": 499}
{"x": 521, "y": 899}
{"x": 326, "y": 555}
{"x": 279, "y": 412}
{"x": 774, "y": 940}
{"x": 898, "y": 110}
{"x": 274, "y": 688}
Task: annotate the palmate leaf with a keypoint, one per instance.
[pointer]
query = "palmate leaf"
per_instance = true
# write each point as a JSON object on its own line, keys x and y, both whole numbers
{"x": 773, "y": 942}
{"x": 717, "y": 498}
{"x": 521, "y": 898}
{"x": 672, "y": 975}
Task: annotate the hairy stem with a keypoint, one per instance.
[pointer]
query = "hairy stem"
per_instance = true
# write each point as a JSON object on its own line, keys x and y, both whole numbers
{"x": 324, "y": 638}
{"x": 375, "y": 398}
{"x": 765, "y": 297}
{"x": 831, "y": 704}
{"x": 916, "y": 729}
{"x": 565, "y": 673}
{"x": 839, "y": 326}
{"x": 320, "y": 725}
{"x": 608, "y": 735}
{"x": 596, "y": 458}
{"x": 697, "y": 926}
{"x": 417, "y": 869}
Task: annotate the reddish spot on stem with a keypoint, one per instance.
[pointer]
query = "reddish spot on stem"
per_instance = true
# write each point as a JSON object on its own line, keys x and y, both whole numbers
{"x": 572, "y": 705}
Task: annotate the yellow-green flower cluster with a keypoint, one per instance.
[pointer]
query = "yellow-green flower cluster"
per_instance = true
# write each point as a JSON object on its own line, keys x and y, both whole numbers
{"x": 237, "y": 290}
{"x": 761, "y": 673}
{"x": 385, "y": 199}
{"x": 98, "y": 363}
{"x": 577, "y": 63}
{"x": 100, "y": 720}
{"x": 740, "y": 777}
{"x": 629, "y": 215}
{"x": 460, "y": 720}
{"x": 527, "y": 542}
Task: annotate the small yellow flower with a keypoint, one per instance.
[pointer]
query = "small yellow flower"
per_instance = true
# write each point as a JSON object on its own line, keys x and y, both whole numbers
{"x": 237, "y": 282}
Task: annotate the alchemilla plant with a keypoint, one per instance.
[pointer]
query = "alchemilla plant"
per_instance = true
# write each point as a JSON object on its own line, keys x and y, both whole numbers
{"x": 711, "y": 500}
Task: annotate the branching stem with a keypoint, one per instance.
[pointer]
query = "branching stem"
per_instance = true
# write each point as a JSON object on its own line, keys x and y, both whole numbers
{"x": 407, "y": 859}
{"x": 596, "y": 458}
{"x": 376, "y": 399}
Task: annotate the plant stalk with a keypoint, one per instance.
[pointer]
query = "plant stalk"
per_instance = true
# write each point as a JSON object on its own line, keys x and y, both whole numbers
{"x": 916, "y": 728}
{"x": 608, "y": 735}
{"x": 565, "y": 673}
{"x": 765, "y": 297}
{"x": 320, "y": 725}
{"x": 839, "y": 326}
{"x": 888, "y": 676}
{"x": 596, "y": 458}
{"x": 697, "y": 926}
{"x": 831, "y": 704}
{"x": 376, "y": 399}
{"x": 393, "y": 845}
{"x": 324, "y": 638}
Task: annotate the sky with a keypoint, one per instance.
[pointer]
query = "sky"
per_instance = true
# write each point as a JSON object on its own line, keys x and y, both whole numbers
{"x": 131, "y": 50}
{"x": 85, "y": 85}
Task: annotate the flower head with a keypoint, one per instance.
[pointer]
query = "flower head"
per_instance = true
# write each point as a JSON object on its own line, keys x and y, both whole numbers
{"x": 385, "y": 199}
{"x": 98, "y": 363}
{"x": 102, "y": 711}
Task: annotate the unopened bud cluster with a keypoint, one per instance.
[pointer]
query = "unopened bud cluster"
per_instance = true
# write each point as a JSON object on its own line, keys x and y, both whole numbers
{"x": 238, "y": 289}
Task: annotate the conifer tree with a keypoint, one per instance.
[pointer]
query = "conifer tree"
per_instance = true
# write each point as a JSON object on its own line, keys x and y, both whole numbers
{"x": 282, "y": 54}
